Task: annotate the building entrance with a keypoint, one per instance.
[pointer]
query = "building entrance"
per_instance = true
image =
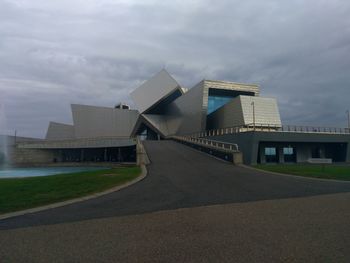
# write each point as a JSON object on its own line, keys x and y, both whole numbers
{"x": 146, "y": 133}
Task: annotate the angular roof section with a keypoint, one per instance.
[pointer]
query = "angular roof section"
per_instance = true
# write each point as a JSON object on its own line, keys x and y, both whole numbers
{"x": 163, "y": 125}
{"x": 155, "y": 122}
{"x": 161, "y": 88}
{"x": 228, "y": 85}
{"x": 94, "y": 121}
{"x": 60, "y": 131}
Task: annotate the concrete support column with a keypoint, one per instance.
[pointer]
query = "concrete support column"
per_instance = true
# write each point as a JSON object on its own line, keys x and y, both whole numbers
{"x": 119, "y": 155}
{"x": 254, "y": 153}
{"x": 60, "y": 155}
{"x": 280, "y": 154}
{"x": 262, "y": 155}
{"x": 322, "y": 151}
{"x": 105, "y": 155}
{"x": 82, "y": 155}
{"x": 348, "y": 153}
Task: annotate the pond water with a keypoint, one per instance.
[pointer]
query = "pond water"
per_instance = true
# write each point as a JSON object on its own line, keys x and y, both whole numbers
{"x": 43, "y": 171}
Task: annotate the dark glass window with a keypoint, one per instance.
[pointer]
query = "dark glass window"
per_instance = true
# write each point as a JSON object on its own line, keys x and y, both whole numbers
{"x": 289, "y": 154}
{"x": 316, "y": 152}
{"x": 270, "y": 151}
{"x": 215, "y": 102}
{"x": 288, "y": 151}
{"x": 219, "y": 97}
{"x": 271, "y": 155}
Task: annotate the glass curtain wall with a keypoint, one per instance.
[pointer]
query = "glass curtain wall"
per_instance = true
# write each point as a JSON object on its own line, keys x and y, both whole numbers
{"x": 215, "y": 102}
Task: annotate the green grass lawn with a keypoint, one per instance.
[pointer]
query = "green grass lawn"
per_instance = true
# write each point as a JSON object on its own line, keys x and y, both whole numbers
{"x": 327, "y": 171}
{"x": 24, "y": 193}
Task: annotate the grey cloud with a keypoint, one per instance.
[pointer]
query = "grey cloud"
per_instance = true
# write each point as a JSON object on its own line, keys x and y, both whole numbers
{"x": 53, "y": 53}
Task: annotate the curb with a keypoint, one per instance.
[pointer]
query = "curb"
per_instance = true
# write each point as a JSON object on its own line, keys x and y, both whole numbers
{"x": 77, "y": 200}
{"x": 293, "y": 175}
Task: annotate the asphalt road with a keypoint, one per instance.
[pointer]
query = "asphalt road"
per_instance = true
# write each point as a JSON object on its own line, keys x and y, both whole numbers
{"x": 181, "y": 177}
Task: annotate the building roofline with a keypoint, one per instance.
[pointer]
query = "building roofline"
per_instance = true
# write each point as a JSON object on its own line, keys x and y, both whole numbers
{"x": 60, "y": 123}
{"x": 104, "y": 107}
{"x": 231, "y": 82}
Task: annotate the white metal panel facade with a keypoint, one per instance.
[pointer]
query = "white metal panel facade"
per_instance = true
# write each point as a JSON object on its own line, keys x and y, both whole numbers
{"x": 187, "y": 114}
{"x": 153, "y": 90}
{"x": 59, "y": 131}
{"x": 91, "y": 121}
{"x": 266, "y": 111}
{"x": 239, "y": 112}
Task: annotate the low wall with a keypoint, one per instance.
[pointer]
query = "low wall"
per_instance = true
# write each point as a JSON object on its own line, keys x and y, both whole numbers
{"x": 249, "y": 142}
{"x": 141, "y": 154}
{"x": 75, "y": 164}
{"x": 230, "y": 156}
{"x": 20, "y": 156}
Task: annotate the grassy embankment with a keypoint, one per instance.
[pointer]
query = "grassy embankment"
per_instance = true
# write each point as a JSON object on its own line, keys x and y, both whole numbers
{"x": 328, "y": 171}
{"x": 24, "y": 193}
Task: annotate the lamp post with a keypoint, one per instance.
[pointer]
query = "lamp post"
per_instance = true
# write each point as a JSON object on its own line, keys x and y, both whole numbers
{"x": 253, "y": 104}
{"x": 348, "y": 113}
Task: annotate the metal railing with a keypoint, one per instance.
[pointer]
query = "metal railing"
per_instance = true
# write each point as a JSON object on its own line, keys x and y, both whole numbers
{"x": 209, "y": 143}
{"x": 270, "y": 128}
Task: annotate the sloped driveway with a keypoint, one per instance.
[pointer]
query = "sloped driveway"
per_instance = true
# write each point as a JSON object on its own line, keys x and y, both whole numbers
{"x": 181, "y": 177}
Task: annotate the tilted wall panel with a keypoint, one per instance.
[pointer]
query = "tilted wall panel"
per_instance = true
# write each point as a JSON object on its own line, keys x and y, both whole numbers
{"x": 239, "y": 112}
{"x": 59, "y": 131}
{"x": 154, "y": 90}
{"x": 90, "y": 121}
{"x": 227, "y": 116}
{"x": 187, "y": 114}
{"x": 266, "y": 111}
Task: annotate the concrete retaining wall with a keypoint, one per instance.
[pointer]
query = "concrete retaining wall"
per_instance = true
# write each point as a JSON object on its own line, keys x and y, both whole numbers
{"x": 20, "y": 156}
{"x": 248, "y": 142}
{"x": 227, "y": 155}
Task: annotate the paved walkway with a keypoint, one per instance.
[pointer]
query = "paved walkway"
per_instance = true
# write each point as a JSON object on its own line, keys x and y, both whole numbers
{"x": 180, "y": 177}
{"x": 311, "y": 229}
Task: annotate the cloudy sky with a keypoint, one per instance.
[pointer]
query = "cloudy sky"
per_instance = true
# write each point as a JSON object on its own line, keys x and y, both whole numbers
{"x": 54, "y": 53}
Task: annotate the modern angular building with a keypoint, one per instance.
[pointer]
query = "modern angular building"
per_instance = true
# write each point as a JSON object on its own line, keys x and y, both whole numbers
{"x": 212, "y": 110}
